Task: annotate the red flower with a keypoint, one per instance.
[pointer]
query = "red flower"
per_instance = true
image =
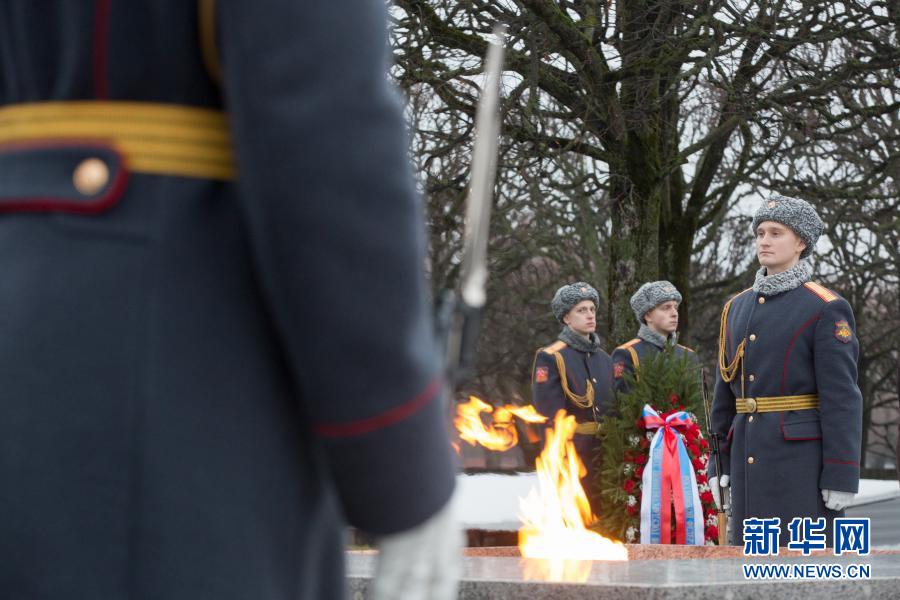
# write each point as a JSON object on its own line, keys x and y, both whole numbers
{"x": 701, "y": 478}
{"x": 627, "y": 457}
{"x": 706, "y": 497}
{"x": 639, "y": 472}
{"x": 639, "y": 424}
{"x": 629, "y": 486}
{"x": 641, "y": 459}
{"x": 698, "y": 466}
{"x": 673, "y": 398}
{"x": 704, "y": 444}
{"x": 712, "y": 532}
{"x": 632, "y": 510}
{"x": 644, "y": 443}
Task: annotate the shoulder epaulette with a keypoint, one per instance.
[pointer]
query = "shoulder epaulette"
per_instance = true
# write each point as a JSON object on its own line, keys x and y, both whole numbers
{"x": 584, "y": 401}
{"x": 728, "y": 302}
{"x": 628, "y": 344}
{"x": 554, "y": 347}
{"x": 821, "y": 291}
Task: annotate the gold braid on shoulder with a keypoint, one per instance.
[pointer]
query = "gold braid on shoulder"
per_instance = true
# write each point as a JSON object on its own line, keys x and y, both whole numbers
{"x": 728, "y": 371}
{"x": 585, "y": 401}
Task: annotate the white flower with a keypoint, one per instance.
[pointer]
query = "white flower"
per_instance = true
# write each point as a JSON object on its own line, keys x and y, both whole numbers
{"x": 633, "y": 440}
{"x": 710, "y": 543}
{"x": 703, "y": 488}
{"x": 628, "y": 468}
{"x": 630, "y": 534}
{"x": 631, "y": 501}
{"x": 650, "y": 435}
{"x": 712, "y": 520}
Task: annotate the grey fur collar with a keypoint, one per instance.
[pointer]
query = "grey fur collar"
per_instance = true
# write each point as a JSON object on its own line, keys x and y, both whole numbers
{"x": 578, "y": 342}
{"x": 650, "y": 336}
{"x": 772, "y": 285}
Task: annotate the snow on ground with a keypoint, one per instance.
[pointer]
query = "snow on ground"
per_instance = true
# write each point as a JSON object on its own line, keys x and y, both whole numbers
{"x": 491, "y": 500}
{"x": 876, "y": 490}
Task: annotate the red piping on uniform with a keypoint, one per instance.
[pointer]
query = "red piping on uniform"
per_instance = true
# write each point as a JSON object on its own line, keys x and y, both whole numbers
{"x": 101, "y": 49}
{"x": 791, "y": 345}
{"x": 795, "y": 439}
{"x": 385, "y": 419}
{"x": 100, "y": 204}
{"x": 841, "y": 462}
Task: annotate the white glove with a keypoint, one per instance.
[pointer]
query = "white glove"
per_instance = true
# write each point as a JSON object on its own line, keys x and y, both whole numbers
{"x": 836, "y": 500}
{"x": 714, "y": 483}
{"x": 422, "y": 563}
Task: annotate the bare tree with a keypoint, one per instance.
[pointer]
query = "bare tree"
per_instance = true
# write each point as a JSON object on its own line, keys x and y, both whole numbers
{"x": 853, "y": 175}
{"x": 672, "y": 104}
{"x": 636, "y": 134}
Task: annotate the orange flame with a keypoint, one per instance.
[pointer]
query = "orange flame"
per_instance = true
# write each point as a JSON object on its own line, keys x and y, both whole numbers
{"x": 554, "y": 516}
{"x": 526, "y": 413}
{"x": 502, "y": 434}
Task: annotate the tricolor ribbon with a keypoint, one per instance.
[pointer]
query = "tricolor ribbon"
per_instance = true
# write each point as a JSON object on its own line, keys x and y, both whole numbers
{"x": 669, "y": 479}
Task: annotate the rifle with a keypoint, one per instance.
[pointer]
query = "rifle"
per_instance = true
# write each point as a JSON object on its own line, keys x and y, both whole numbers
{"x": 459, "y": 312}
{"x": 721, "y": 511}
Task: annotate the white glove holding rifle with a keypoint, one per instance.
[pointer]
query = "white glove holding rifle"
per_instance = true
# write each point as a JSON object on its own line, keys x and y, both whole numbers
{"x": 836, "y": 500}
{"x": 422, "y": 563}
{"x": 714, "y": 483}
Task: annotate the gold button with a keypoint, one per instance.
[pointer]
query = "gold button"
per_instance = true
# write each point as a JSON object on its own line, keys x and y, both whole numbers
{"x": 594, "y": 380}
{"x": 762, "y": 300}
{"x": 753, "y": 378}
{"x": 751, "y": 404}
{"x": 90, "y": 176}
{"x": 750, "y": 418}
{"x": 750, "y": 460}
{"x": 752, "y": 337}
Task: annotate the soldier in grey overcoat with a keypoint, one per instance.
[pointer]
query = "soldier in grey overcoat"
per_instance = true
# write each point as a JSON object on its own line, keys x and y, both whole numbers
{"x": 216, "y": 344}
{"x": 574, "y": 374}
{"x": 786, "y": 397}
{"x": 655, "y": 307}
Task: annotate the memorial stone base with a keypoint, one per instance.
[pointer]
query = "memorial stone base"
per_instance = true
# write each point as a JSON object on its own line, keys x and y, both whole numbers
{"x": 651, "y": 573}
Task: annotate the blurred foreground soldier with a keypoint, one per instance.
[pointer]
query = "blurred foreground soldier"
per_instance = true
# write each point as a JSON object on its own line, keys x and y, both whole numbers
{"x": 196, "y": 398}
{"x": 786, "y": 397}
{"x": 655, "y": 306}
{"x": 575, "y": 374}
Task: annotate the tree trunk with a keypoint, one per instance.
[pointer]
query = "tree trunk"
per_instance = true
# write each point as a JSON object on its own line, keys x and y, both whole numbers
{"x": 634, "y": 243}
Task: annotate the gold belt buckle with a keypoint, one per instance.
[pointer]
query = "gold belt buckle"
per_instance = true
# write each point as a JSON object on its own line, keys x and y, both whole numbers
{"x": 751, "y": 404}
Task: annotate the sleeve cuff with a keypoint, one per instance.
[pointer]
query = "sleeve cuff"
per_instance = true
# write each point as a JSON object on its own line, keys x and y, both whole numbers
{"x": 842, "y": 476}
{"x": 394, "y": 478}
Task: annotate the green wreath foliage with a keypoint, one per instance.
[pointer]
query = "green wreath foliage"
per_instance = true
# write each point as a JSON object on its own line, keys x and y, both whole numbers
{"x": 668, "y": 383}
